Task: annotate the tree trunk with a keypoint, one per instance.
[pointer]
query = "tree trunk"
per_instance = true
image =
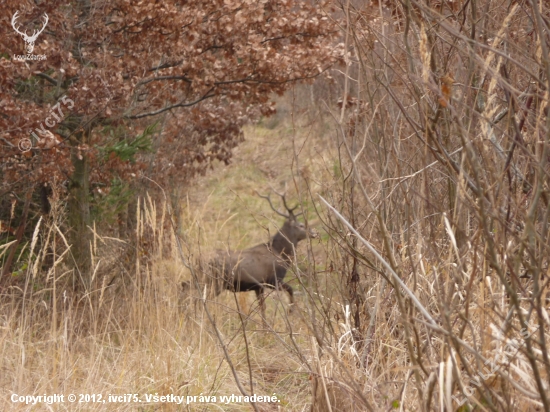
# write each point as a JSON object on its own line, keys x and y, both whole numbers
{"x": 79, "y": 186}
{"x": 79, "y": 214}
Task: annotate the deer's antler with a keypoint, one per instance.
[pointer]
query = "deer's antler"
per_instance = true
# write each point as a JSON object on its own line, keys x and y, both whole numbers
{"x": 268, "y": 197}
{"x": 283, "y": 196}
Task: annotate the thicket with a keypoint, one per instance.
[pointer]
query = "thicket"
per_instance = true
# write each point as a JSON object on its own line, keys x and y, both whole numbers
{"x": 432, "y": 289}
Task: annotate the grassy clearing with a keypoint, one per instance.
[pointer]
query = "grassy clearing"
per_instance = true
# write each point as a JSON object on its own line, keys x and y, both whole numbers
{"x": 353, "y": 339}
{"x": 136, "y": 334}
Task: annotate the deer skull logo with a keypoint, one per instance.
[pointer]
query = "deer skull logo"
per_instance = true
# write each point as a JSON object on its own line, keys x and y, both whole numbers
{"x": 29, "y": 40}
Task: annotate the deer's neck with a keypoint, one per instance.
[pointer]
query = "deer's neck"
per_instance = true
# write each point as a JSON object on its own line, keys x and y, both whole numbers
{"x": 281, "y": 245}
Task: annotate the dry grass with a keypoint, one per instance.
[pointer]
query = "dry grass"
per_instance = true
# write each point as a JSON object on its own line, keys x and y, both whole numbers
{"x": 355, "y": 341}
{"x": 134, "y": 333}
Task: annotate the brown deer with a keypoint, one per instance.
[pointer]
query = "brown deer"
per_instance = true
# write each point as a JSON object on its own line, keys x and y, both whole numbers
{"x": 262, "y": 266}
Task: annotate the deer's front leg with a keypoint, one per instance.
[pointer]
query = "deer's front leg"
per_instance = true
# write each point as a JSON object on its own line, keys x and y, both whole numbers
{"x": 261, "y": 300}
{"x": 288, "y": 288}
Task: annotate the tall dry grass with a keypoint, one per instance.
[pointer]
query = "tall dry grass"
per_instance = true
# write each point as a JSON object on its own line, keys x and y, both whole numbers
{"x": 441, "y": 220}
{"x": 428, "y": 287}
{"x": 134, "y": 331}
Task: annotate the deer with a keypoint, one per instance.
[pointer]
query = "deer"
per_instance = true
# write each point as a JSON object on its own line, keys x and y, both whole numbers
{"x": 262, "y": 266}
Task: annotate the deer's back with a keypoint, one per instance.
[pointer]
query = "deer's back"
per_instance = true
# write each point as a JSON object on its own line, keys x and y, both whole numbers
{"x": 250, "y": 268}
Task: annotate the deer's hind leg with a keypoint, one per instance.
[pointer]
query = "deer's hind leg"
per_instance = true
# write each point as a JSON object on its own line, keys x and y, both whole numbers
{"x": 290, "y": 291}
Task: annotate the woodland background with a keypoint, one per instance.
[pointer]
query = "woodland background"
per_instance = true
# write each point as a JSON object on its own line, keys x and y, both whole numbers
{"x": 414, "y": 135}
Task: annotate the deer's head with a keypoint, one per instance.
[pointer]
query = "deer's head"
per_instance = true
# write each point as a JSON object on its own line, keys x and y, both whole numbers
{"x": 292, "y": 230}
